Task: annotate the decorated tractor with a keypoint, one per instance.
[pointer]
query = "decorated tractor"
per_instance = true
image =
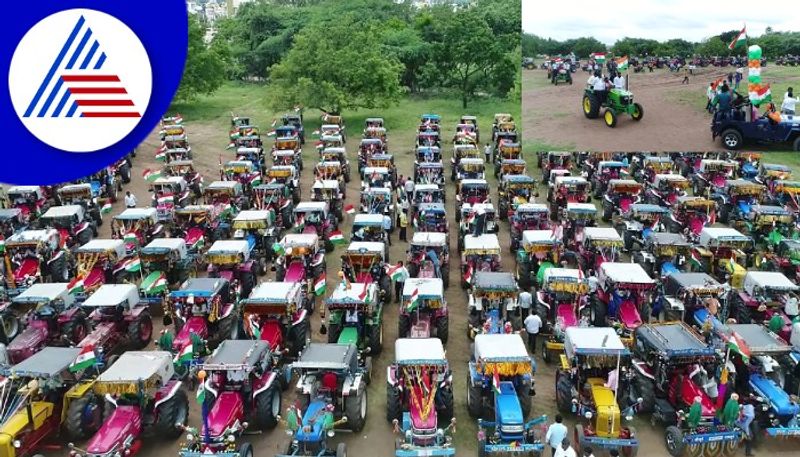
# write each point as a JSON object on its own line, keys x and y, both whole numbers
{"x": 337, "y": 155}
{"x": 376, "y": 177}
{"x": 460, "y": 152}
{"x": 44, "y": 397}
{"x": 368, "y": 147}
{"x": 663, "y": 254}
{"x": 769, "y": 224}
{"x": 231, "y": 260}
{"x": 141, "y": 397}
{"x": 431, "y": 217}
{"x": 510, "y": 167}
{"x": 565, "y": 190}
{"x": 561, "y": 303}
{"x": 423, "y": 310}
{"x": 576, "y": 217}
{"x": 476, "y": 220}
{"x": 619, "y": 197}
{"x": 498, "y": 358}
{"x": 244, "y": 172}
{"x": 379, "y": 201}
{"x": 736, "y": 200}
{"x": 555, "y": 160}
{"x": 624, "y": 297}
{"x": 170, "y": 193}
{"x": 469, "y": 168}
{"x": 383, "y": 160}
{"x": 286, "y": 175}
{"x": 786, "y": 194}
{"x": 136, "y": 227}
{"x": 604, "y": 173}
{"x": 429, "y": 257}
{"x": 492, "y": 304}
{"x": 672, "y": 364}
{"x": 639, "y": 222}
{"x": 31, "y": 200}
{"x": 514, "y": 190}
{"x": 166, "y": 258}
{"x": 666, "y": 189}
{"x": 429, "y": 173}
{"x": 695, "y": 298}
{"x": 226, "y": 197}
{"x": 772, "y": 173}
{"x": 538, "y": 251}
{"x": 11, "y": 221}
{"x": 119, "y": 320}
{"x": 471, "y": 191}
{"x": 428, "y": 138}
{"x": 615, "y": 103}
{"x": 278, "y": 313}
{"x": 591, "y": 383}
{"x": 252, "y": 154}
{"x": 763, "y": 299}
{"x": 481, "y": 253}
{"x": 80, "y": 194}
{"x": 72, "y": 223}
{"x": 598, "y": 245}
{"x": 786, "y": 259}
{"x": 419, "y": 398}
{"x": 711, "y": 176}
{"x": 32, "y": 256}
{"x": 651, "y": 166}
{"x": 369, "y": 227}
{"x": 528, "y": 216}
{"x": 299, "y": 258}
{"x": 315, "y": 218}
{"x": 691, "y": 214}
{"x": 284, "y": 157}
{"x": 42, "y": 315}
{"x": 329, "y": 170}
{"x": 364, "y": 262}
{"x": 257, "y": 227}
{"x": 465, "y": 134}
{"x": 426, "y": 193}
{"x": 355, "y": 317}
{"x": 199, "y": 224}
{"x": 99, "y": 262}
{"x": 276, "y": 198}
{"x": 502, "y": 122}
{"x": 724, "y": 253}
{"x": 507, "y": 151}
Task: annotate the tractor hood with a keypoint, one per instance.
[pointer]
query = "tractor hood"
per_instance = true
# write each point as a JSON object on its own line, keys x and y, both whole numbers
{"x": 227, "y": 410}
{"x": 744, "y": 206}
{"x": 777, "y": 397}
{"x": 311, "y": 431}
{"x": 295, "y": 272}
{"x": 28, "y": 267}
{"x": 508, "y": 409}
{"x": 123, "y": 422}
{"x": 196, "y": 325}
{"x": 689, "y": 391}
{"x": 193, "y": 235}
{"x": 348, "y": 335}
{"x": 13, "y": 426}
{"x": 420, "y": 423}
{"x": 28, "y": 342}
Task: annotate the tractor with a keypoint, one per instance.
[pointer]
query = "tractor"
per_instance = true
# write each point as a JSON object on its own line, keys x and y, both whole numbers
{"x": 492, "y": 303}
{"x": 663, "y": 253}
{"x": 736, "y": 200}
{"x": 277, "y": 198}
{"x": 640, "y": 222}
{"x": 300, "y": 258}
{"x": 201, "y": 224}
{"x": 711, "y": 176}
{"x": 695, "y": 298}
{"x": 315, "y": 218}
{"x": 605, "y": 172}
{"x": 423, "y": 310}
{"x": 99, "y": 262}
{"x": 429, "y": 257}
{"x": 539, "y": 250}
{"x": 497, "y": 358}
{"x": 71, "y": 222}
{"x": 555, "y": 160}
{"x": 119, "y": 320}
{"x": 623, "y": 298}
{"x": 278, "y": 313}
{"x": 619, "y": 197}
{"x": 332, "y": 192}
{"x": 566, "y": 190}
{"x": 691, "y": 214}
{"x": 481, "y": 253}
{"x": 576, "y": 218}
{"x": 527, "y": 216}
{"x": 31, "y": 200}
{"x": 257, "y": 228}
{"x": 561, "y": 303}
{"x": 78, "y": 194}
{"x": 364, "y": 262}
{"x": 232, "y": 261}
{"x": 137, "y": 227}
{"x": 724, "y": 253}
{"x": 166, "y": 258}
{"x": 32, "y": 256}
{"x": 514, "y": 190}
{"x": 666, "y": 189}
{"x": 617, "y": 101}
{"x": 762, "y": 299}
{"x": 598, "y": 245}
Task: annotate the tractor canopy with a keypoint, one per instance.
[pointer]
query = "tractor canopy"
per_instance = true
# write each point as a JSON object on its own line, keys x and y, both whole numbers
{"x": 646, "y": 212}
{"x": 565, "y": 280}
{"x": 34, "y": 239}
{"x": 63, "y": 216}
{"x": 667, "y": 244}
{"x": 723, "y": 237}
{"x": 659, "y": 164}
{"x": 419, "y": 352}
{"x": 486, "y": 244}
{"x": 429, "y": 290}
{"x": 50, "y": 366}
{"x": 571, "y": 183}
{"x": 602, "y": 237}
{"x": 760, "y": 341}
{"x": 238, "y": 355}
{"x": 380, "y": 160}
{"x": 162, "y": 249}
{"x": 764, "y": 215}
{"x": 624, "y": 187}
{"x": 593, "y": 341}
{"x": 608, "y": 166}
{"x": 787, "y": 187}
{"x": 526, "y": 211}
{"x": 494, "y": 285}
{"x": 539, "y": 241}
{"x": 228, "y": 252}
{"x": 774, "y": 171}
{"x": 358, "y": 296}
{"x": 743, "y": 188}
{"x": 112, "y": 249}
{"x": 281, "y": 172}
{"x": 367, "y": 220}
{"x": 759, "y": 283}
{"x": 300, "y": 243}
{"x": 504, "y": 354}
{"x": 670, "y": 181}
{"x": 334, "y": 357}
{"x": 274, "y": 298}
{"x": 113, "y": 295}
{"x": 259, "y": 220}
{"x": 364, "y": 254}
{"x": 309, "y": 209}
{"x": 46, "y": 294}
{"x": 135, "y": 371}
{"x": 70, "y": 193}
{"x": 585, "y": 211}
{"x": 625, "y": 276}
{"x": 674, "y": 340}
{"x": 694, "y": 203}
{"x": 423, "y": 240}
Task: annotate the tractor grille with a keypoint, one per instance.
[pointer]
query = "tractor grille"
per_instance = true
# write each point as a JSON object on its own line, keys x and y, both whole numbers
{"x": 513, "y": 428}
{"x": 625, "y": 101}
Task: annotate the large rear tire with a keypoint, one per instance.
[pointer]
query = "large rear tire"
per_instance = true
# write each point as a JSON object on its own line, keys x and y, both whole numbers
{"x": 563, "y": 392}
{"x": 638, "y": 112}
{"x": 140, "y": 331}
{"x": 394, "y": 406}
{"x": 356, "y": 408}
{"x": 673, "y": 440}
{"x": 84, "y": 416}
{"x": 591, "y": 106}
{"x": 268, "y": 407}
{"x": 172, "y": 416}
{"x": 297, "y": 336}
{"x": 474, "y": 399}
{"x": 443, "y": 328}
{"x": 445, "y": 405}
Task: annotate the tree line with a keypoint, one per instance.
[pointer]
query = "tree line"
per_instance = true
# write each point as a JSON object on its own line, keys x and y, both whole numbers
{"x": 335, "y": 55}
{"x": 773, "y": 43}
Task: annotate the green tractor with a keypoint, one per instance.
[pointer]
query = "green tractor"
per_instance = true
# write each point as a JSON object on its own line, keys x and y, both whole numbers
{"x": 617, "y": 102}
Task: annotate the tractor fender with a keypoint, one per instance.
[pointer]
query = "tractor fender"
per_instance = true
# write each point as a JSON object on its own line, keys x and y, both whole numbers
{"x": 475, "y": 378}
{"x": 440, "y": 312}
{"x": 157, "y": 229}
{"x": 135, "y": 312}
{"x": 643, "y": 369}
{"x": 264, "y": 383}
{"x": 672, "y": 217}
{"x": 81, "y": 227}
{"x": 167, "y": 392}
{"x": 608, "y": 199}
{"x": 79, "y": 390}
{"x": 299, "y": 317}
{"x": 446, "y": 381}
{"x": 318, "y": 258}
{"x": 390, "y": 377}
{"x": 56, "y": 256}
{"x": 720, "y": 198}
{"x": 285, "y": 204}
{"x": 351, "y": 385}
{"x": 68, "y": 314}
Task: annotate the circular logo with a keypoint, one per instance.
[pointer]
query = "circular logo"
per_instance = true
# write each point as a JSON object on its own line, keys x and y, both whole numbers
{"x": 80, "y": 80}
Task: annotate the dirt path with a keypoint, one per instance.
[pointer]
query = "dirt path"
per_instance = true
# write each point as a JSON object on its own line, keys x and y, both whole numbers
{"x": 553, "y": 114}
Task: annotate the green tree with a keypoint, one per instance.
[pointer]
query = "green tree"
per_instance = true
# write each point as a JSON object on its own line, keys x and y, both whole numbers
{"x": 587, "y": 45}
{"x": 406, "y": 44}
{"x": 336, "y": 65}
{"x": 205, "y": 70}
{"x": 713, "y": 46}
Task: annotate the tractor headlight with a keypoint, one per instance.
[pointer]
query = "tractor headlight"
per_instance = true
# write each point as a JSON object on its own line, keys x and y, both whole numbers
{"x": 628, "y": 417}
{"x": 330, "y": 433}
{"x": 17, "y": 444}
{"x": 117, "y": 454}
{"x": 587, "y": 415}
{"x": 439, "y": 432}
{"x": 189, "y": 437}
{"x": 764, "y": 408}
{"x": 231, "y": 438}
{"x": 409, "y": 436}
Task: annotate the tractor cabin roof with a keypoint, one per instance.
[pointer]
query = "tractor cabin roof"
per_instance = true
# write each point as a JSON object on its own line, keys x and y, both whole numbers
{"x": 583, "y": 341}
{"x": 328, "y": 356}
{"x": 539, "y": 237}
{"x": 252, "y": 215}
{"x": 428, "y": 288}
{"x": 674, "y": 340}
{"x": 625, "y": 273}
{"x": 136, "y": 214}
{"x": 495, "y": 280}
{"x": 291, "y": 240}
{"x": 419, "y": 351}
{"x": 772, "y": 280}
{"x": 343, "y": 295}
{"x": 42, "y": 292}
{"x": 601, "y": 233}
{"x": 233, "y": 355}
{"x": 500, "y": 347}
{"x": 532, "y": 208}
{"x": 487, "y": 242}
{"x": 274, "y": 292}
{"x": 363, "y": 247}
{"x": 374, "y": 220}
{"x": 433, "y": 239}
{"x": 759, "y": 340}
{"x": 63, "y": 211}
{"x": 665, "y": 238}
{"x": 199, "y": 287}
{"x": 103, "y": 245}
{"x": 228, "y": 247}
{"x": 152, "y": 367}
{"x": 164, "y": 245}
{"x": 126, "y": 295}
{"x": 45, "y": 364}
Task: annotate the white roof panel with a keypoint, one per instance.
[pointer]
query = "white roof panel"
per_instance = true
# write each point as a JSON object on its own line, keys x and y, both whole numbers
{"x": 419, "y": 351}
{"x": 631, "y": 273}
{"x": 500, "y": 346}
{"x": 485, "y": 241}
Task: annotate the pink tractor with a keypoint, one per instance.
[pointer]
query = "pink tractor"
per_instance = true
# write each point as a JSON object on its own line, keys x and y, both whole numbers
{"x": 231, "y": 260}
{"x": 316, "y": 218}
{"x": 98, "y": 262}
{"x": 423, "y": 310}
{"x": 278, "y": 313}
{"x": 623, "y": 298}
{"x": 691, "y": 214}
{"x": 665, "y": 189}
{"x": 142, "y": 397}
{"x": 137, "y": 227}
{"x": 299, "y": 258}
{"x": 43, "y": 315}
{"x": 169, "y": 193}
{"x": 31, "y": 200}
{"x": 598, "y": 245}
{"x": 33, "y": 256}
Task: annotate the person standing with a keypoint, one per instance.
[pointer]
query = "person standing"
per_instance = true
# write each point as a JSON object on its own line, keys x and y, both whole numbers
{"x": 387, "y": 227}
{"x": 533, "y": 324}
{"x": 525, "y": 302}
{"x": 710, "y": 93}
{"x": 556, "y": 434}
{"x": 130, "y": 200}
{"x": 409, "y": 188}
{"x": 403, "y": 225}
{"x": 619, "y": 82}
{"x": 400, "y": 276}
{"x": 487, "y": 152}
{"x": 565, "y": 450}
{"x": 744, "y": 422}
{"x": 588, "y": 451}
{"x": 789, "y": 103}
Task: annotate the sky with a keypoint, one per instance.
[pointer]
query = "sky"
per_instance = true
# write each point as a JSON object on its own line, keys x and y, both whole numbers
{"x": 692, "y": 20}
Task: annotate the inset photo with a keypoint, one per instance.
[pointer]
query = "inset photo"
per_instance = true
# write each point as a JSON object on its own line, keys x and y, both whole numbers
{"x": 674, "y": 75}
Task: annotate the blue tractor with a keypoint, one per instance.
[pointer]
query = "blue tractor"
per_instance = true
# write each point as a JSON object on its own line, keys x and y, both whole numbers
{"x": 497, "y": 358}
{"x": 736, "y": 130}
{"x": 508, "y": 432}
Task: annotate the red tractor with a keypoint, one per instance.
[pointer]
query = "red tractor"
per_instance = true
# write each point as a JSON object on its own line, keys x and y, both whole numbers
{"x": 299, "y": 258}
{"x": 278, "y": 313}
{"x": 119, "y": 320}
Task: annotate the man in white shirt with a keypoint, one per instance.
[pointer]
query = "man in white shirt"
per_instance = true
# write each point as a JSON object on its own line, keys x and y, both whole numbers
{"x": 556, "y": 434}
{"x": 565, "y": 450}
{"x": 791, "y": 307}
{"x": 789, "y": 103}
{"x": 487, "y": 151}
{"x": 525, "y": 302}
{"x": 533, "y": 323}
{"x": 619, "y": 82}
{"x": 599, "y": 86}
{"x": 130, "y": 200}
{"x": 409, "y": 188}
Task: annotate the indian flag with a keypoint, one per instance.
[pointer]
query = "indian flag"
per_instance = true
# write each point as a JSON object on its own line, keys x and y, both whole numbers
{"x": 198, "y": 243}
{"x": 337, "y": 237}
{"x": 272, "y": 133}
{"x": 178, "y": 119}
{"x": 150, "y": 175}
{"x": 161, "y": 156}
{"x": 75, "y": 286}
{"x": 759, "y": 94}
{"x": 155, "y": 283}
{"x": 737, "y": 344}
{"x": 732, "y": 263}
{"x": 133, "y": 265}
{"x": 85, "y": 359}
{"x": 622, "y": 63}
{"x": 106, "y": 208}
{"x": 468, "y": 275}
{"x": 201, "y": 393}
{"x": 2, "y": 244}
{"x": 413, "y": 301}
{"x": 496, "y": 382}
{"x": 349, "y": 209}
{"x": 696, "y": 259}
{"x": 395, "y": 272}
{"x": 255, "y": 178}
{"x": 739, "y": 40}
{"x": 130, "y": 237}
{"x": 277, "y": 248}
{"x": 320, "y": 285}
{"x": 230, "y": 145}
{"x": 599, "y": 57}
{"x": 165, "y": 200}
{"x": 185, "y": 356}
{"x": 255, "y": 327}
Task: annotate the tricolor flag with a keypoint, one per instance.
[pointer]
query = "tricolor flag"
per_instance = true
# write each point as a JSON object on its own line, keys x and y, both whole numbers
{"x": 695, "y": 259}
{"x": 185, "y": 356}
{"x": 732, "y": 263}
{"x": 161, "y": 155}
{"x": 736, "y": 343}
{"x": 655, "y": 223}
{"x": 106, "y": 208}
{"x": 2, "y": 244}
{"x": 198, "y": 244}
{"x": 395, "y": 272}
{"x": 496, "y": 381}
{"x": 739, "y": 40}
{"x": 133, "y": 265}
{"x": 255, "y": 326}
{"x": 165, "y": 200}
{"x": 178, "y": 119}
{"x": 413, "y": 301}
{"x": 759, "y": 94}
{"x": 349, "y": 209}
{"x": 230, "y": 145}
{"x": 85, "y": 359}
{"x": 272, "y": 133}
{"x": 130, "y": 237}
{"x": 337, "y": 237}
{"x": 622, "y": 63}
{"x": 363, "y": 294}
{"x": 201, "y": 393}
{"x": 150, "y": 175}
{"x": 154, "y": 284}
{"x": 75, "y": 286}
{"x": 320, "y": 285}
{"x": 599, "y": 57}
{"x": 468, "y": 275}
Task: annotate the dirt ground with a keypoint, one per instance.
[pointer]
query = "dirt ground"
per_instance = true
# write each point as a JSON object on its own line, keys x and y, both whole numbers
{"x": 208, "y": 140}
{"x": 552, "y": 115}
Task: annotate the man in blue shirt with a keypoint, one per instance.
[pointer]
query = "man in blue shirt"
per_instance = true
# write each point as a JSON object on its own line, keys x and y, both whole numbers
{"x": 722, "y": 102}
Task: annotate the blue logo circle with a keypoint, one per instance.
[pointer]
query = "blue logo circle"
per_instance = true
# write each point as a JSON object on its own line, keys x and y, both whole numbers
{"x": 87, "y": 82}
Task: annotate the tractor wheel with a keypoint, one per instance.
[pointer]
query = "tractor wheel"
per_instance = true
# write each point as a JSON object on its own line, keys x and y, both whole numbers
{"x": 502, "y": 210}
{"x": 297, "y": 336}
{"x": 630, "y": 451}
{"x": 96, "y": 216}
{"x": 591, "y": 106}
{"x": 341, "y": 450}
{"x": 756, "y": 433}
{"x": 610, "y": 118}
{"x": 280, "y": 273}
{"x": 563, "y": 392}
{"x": 333, "y": 332}
{"x": 743, "y": 314}
{"x": 608, "y": 211}
{"x": 644, "y": 388}
{"x": 140, "y": 331}
{"x": 443, "y": 328}
{"x": 524, "y": 273}
{"x": 84, "y": 416}
{"x": 228, "y": 328}
{"x": 627, "y": 240}
{"x": 599, "y": 310}
{"x": 296, "y": 195}
{"x": 58, "y": 269}
{"x": 261, "y": 266}
{"x": 248, "y": 282}
{"x": 172, "y": 415}
{"x": 268, "y": 407}
{"x": 286, "y": 217}
{"x": 524, "y": 397}
{"x": 546, "y": 354}
{"x": 445, "y": 268}
{"x": 394, "y": 405}
{"x": 76, "y": 329}
{"x": 724, "y": 214}
{"x": 638, "y": 112}
{"x": 403, "y": 325}
{"x": 355, "y": 408}
{"x": 125, "y": 173}
{"x": 375, "y": 335}
{"x": 579, "y": 439}
{"x": 386, "y": 286}
{"x": 246, "y": 450}
{"x": 796, "y": 144}
{"x": 474, "y": 398}
{"x": 646, "y": 313}
{"x": 445, "y": 405}
{"x": 673, "y": 439}
{"x": 329, "y": 246}
{"x": 85, "y": 236}
{"x": 732, "y": 139}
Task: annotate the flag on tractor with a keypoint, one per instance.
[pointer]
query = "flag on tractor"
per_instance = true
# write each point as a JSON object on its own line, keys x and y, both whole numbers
{"x": 655, "y": 223}
{"x": 255, "y": 326}
{"x": 363, "y": 294}
{"x": 736, "y": 344}
{"x": 739, "y": 40}
{"x": 185, "y": 356}
{"x": 277, "y": 248}
{"x": 395, "y": 272}
{"x": 130, "y": 237}
{"x": 106, "y": 208}
{"x": 161, "y": 156}
{"x": 150, "y": 175}
{"x": 622, "y": 63}
{"x": 732, "y": 263}
{"x": 413, "y": 301}
{"x": 2, "y": 244}
{"x": 320, "y": 285}
{"x": 201, "y": 393}
{"x": 75, "y": 286}
{"x": 85, "y": 359}
{"x": 496, "y": 381}
{"x": 230, "y": 145}
{"x": 133, "y": 265}
{"x": 337, "y": 237}
{"x": 468, "y": 275}
{"x": 349, "y": 209}
{"x": 695, "y": 259}
{"x": 177, "y": 119}
{"x": 155, "y": 283}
